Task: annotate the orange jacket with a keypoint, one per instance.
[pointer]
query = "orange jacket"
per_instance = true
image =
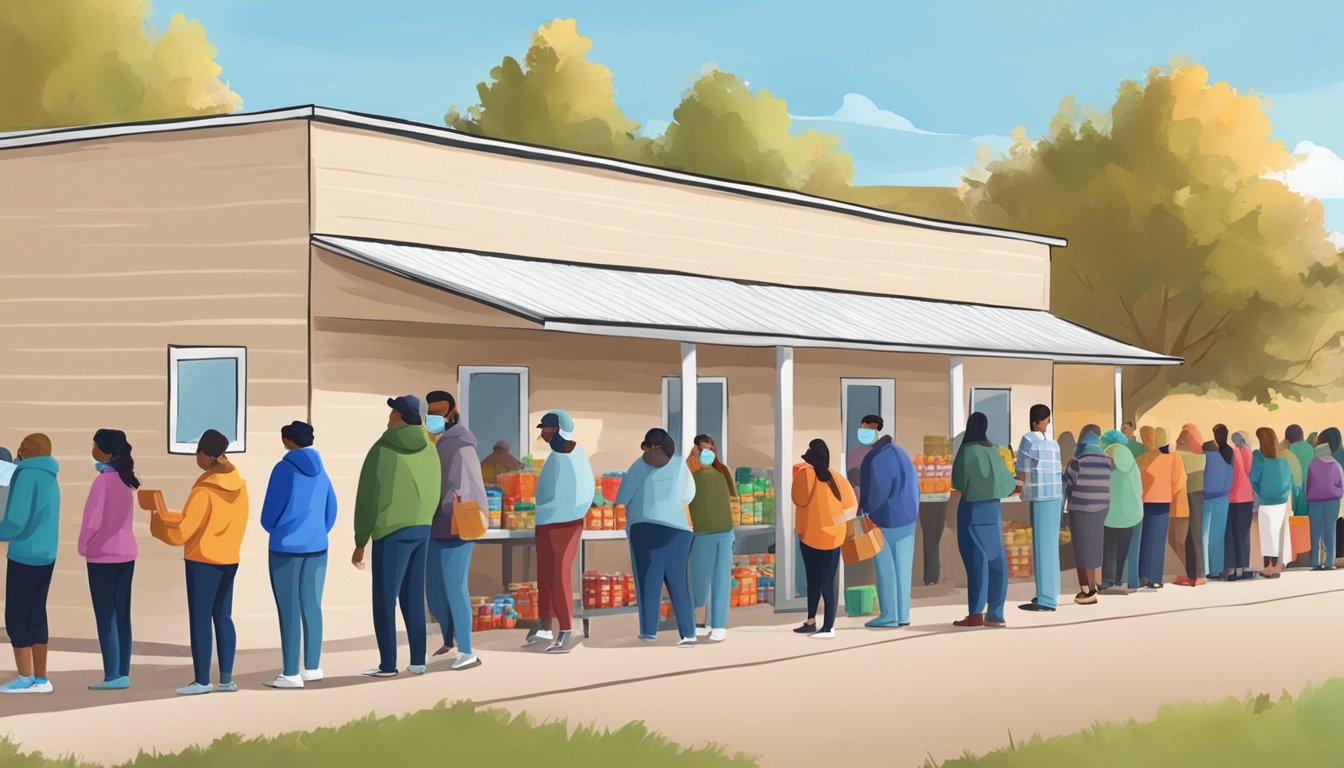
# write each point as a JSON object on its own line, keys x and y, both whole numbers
{"x": 819, "y": 517}
{"x": 210, "y": 527}
{"x": 1163, "y": 477}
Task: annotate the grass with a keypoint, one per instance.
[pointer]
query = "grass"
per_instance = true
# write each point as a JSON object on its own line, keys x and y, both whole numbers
{"x": 447, "y": 735}
{"x": 1303, "y": 731}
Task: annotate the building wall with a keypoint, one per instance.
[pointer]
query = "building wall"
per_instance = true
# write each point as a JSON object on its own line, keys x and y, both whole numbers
{"x": 111, "y": 251}
{"x": 373, "y": 185}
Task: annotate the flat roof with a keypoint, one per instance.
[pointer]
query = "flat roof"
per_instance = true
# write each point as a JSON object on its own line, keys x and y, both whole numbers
{"x": 447, "y": 136}
{"x": 656, "y": 304}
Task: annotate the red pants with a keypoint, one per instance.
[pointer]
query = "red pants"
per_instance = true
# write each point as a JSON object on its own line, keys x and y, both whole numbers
{"x": 557, "y": 544}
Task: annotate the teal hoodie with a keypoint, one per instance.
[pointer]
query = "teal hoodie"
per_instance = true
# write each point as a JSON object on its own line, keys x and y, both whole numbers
{"x": 32, "y": 514}
{"x": 980, "y": 474}
{"x": 1126, "y": 488}
{"x": 1271, "y": 479}
{"x": 565, "y": 487}
{"x": 398, "y": 486}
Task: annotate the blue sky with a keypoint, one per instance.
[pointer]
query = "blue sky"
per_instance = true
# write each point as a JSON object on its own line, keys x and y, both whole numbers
{"x": 959, "y": 73}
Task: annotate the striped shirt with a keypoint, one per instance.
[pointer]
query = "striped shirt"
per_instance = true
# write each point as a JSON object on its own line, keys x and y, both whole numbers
{"x": 1038, "y": 459}
{"x": 1087, "y": 483}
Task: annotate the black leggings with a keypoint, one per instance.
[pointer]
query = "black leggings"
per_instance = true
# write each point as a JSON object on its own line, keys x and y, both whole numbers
{"x": 1237, "y": 545}
{"x": 822, "y": 566}
{"x": 1115, "y": 554}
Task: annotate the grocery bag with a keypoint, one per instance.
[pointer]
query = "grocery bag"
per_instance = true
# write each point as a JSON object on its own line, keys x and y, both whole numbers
{"x": 1300, "y": 531}
{"x": 863, "y": 542}
{"x": 469, "y": 522}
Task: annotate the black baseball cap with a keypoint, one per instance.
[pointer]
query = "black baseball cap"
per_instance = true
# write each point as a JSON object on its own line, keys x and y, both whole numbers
{"x": 406, "y": 405}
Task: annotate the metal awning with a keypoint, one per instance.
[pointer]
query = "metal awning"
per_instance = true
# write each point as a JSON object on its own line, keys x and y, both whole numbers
{"x": 615, "y": 301}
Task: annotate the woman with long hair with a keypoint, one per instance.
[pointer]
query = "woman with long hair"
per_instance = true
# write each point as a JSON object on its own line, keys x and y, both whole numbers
{"x": 1272, "y": 481}
{"x": 979, "y": 474}
{"x": 107, "y": 542}
{"x": 823, "y": 500}
{"x": 1220, "y": 460}
{"x": 1240, "y": 511}
{"x": 712, "y": 549}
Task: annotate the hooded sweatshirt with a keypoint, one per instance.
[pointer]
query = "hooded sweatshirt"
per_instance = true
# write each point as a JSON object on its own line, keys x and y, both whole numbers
{"x": 1163, "y": 476}
{"x": 300, "y": 506}
{"x": 888, "y": 488}
{"x": 1191, "y": 458}
{"x": 979, "y": 474}
{"x": 1325, "y": 478}
{"x": 1126, "y": 510}
{"x": 1271, "y": 479}
{"x": 398, "y": 486}
{"x": 211, "y": 525}
{"x": 656, "y": 494}
{"x": 106, "y": 534}
{"x": 459, "y": 473}
{"x": 565, "y": 487}
{"x": 1087, "y": 480}
{"x": 31, "y": 524}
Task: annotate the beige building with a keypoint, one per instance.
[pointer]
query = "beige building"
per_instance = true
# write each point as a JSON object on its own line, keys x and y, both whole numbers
{"x": 246, "y": 270}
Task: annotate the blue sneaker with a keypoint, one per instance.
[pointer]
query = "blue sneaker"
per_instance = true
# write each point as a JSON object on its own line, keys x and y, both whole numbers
{"x": 116, "y": 684}
{"x": 195, "y": 689}
{"x": 229, "y": 687}
{"x": 26, "y": 685}
{"x": 882, "y": 624}
{"x": 416, "y": 669}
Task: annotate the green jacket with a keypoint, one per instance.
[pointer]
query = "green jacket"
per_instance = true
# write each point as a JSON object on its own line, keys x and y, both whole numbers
{"x": 1126, "y": 489}
{"x": 1305, "y": 453}
{"x": 398, "y": 486}
{"x": 711, "y": 509}
{"x": 980, "y": 474}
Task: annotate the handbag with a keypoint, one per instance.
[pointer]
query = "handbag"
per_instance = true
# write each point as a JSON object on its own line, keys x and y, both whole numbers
{"x": 469, "y": 521}
{"x": 863, "y": 542}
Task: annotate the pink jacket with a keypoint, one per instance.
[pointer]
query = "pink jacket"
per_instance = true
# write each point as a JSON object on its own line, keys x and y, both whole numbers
{"x": 106, "y": 535}
{"x": 1241, "y": 477}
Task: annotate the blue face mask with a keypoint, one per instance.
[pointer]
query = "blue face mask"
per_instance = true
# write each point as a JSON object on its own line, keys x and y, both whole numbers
{"x": 435, "y": 424}
{"x": 706, "y": 457}
{"x": 99, "y": 466}
{"x": 867, "y": 436}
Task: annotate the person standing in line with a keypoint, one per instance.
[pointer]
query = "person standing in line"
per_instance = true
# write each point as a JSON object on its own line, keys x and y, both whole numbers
{"x": 31, "y": 525}
{"x": 979, "y": 474}
{"x": 1164, "y": 500}
{"x": 1240, "y": 512}
{"x": 299, "y": 512}
{"x": 1298, "y": 472}
{"x": 1305, "y": 453}
{"x": 712, "y": 548}
{"x": 1324, "y": 488}
{"x": 1190, "y": 450}
{"x": 1331, "y": 437}
{"x": 823, "y": 501}
{"x": 655, "y": 492}
{"x": 1125, "y": 513}
{"x": 1136, "y": 445}
{"x": 889, "y": 499}
{"x": 1220, "y": 460}
{"x": 1040, "y": 475}
{"x": 448, "y": 556}
{"x": 397, "y": 496}
{"x": 1272, "y": 481}
{"x": 107, "y": 543}
{"x": 564, "y": 495}
{"x": 210, "y": 530}
{"x": 1087, "y": 495}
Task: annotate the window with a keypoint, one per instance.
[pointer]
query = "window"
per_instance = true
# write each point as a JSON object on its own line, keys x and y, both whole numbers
{"x": 711, "y": 411}
{"x": 207, "y": 389}
{"x": 996, "y": 405}
{"x": 493, "y": 403}
{"x": 862, "y": 397}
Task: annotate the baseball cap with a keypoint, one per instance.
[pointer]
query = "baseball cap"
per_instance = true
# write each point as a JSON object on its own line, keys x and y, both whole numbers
{"x": 406, "y": 405}
{"x": 558, "y": 419}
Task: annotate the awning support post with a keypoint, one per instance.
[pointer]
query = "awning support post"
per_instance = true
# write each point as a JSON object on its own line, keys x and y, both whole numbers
{"x": 690, "y": 390}
{"x": 956, "y": 401}
{"x": 1119, "y": 397}
{"x": 786, "y": 596}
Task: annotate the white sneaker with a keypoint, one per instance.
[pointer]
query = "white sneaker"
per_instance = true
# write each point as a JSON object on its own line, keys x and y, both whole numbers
{"x": 827, "y": 635}
{"x": 41, "y": 687}
{"x": 285, "y": 681}
{"x": 718, "y": 635}
{"x": 465, "y": 662}
{"x": 687, "y": 642}
{"x": 379, "y": 672}
{"x": 416, "y": 669}
{"x": 312, "y": 675}
{"x": 540, "y": 636}
{"x": 702, "y": 631}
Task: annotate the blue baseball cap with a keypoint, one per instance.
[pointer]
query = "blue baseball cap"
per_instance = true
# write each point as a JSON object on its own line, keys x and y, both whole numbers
{"x": 406, "y": 405}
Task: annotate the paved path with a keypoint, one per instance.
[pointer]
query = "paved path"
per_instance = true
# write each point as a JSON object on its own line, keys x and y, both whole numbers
{"x": 879, "y": 697}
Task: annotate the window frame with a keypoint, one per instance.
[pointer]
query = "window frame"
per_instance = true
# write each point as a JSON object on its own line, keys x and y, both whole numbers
{"x": 722, "y": 381}
{"x": 886, "y": 393}
{"x": 1008, "y": 391}
{"x": 464, "y": 374}
{"x": 179, "y": 353}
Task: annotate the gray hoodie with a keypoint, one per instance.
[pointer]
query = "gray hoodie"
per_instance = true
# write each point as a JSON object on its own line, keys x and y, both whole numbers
{"x": 460, "y": 470}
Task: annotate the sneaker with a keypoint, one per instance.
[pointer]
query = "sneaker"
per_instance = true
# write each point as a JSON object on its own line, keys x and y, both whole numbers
{"x": 687, "y": 642}
{"x": 648, "y": 638}
{"x": 465, "y": 661}
{"x": 537, "y": 636}
{"x": 824, "y": 634}
{"x": 1154, "y": 586}
{"x": 881, "y": 624}
{"x": 1035, "y": 607}
{"x": 285, "y": 681}
{"x": 416, "y": 669}
{"x": 312, "y": 675}
{"x": 702, "y": 631}
{"x": 195, "y": 689}
{"x": 22, "y": 684}
{"x": 229, "y": 687}
{"x": 116, "y": 684}
{"x": 41, "y": 685}
{"x": 718, "y": 635}
{"x": 379, "y": 672}
{"x": 806, "y": 629}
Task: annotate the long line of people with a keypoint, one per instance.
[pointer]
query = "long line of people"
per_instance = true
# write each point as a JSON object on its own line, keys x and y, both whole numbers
{"x": 421, "y": 503}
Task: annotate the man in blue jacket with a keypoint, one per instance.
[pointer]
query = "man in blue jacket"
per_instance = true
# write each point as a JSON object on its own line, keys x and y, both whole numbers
{"x": 889, "y": 498}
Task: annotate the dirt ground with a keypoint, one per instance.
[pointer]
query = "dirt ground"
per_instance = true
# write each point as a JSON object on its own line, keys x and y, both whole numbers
{"x": 889, "y": 697}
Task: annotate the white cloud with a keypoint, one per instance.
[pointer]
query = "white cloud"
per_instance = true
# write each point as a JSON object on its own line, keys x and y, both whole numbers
{"x": 1319, "y": 172}
{"x": 860, "y": 110}
{"x": 1336, "y": 238}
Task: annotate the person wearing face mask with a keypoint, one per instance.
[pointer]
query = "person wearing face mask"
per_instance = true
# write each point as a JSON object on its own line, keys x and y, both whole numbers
{"x": 564, "y": 495}
{"x": 1040, "y": 475}
{"x": 31, "y": 525}
{"x": 210, "y": 530}
{"x": 981, "y": 477}
{"x": 889, "y": 498}
{"x": 448, "y": 557}
{"x": 107, "y": 543}
{"x": 712, "y": 549}
{"x": 656, "y": 491}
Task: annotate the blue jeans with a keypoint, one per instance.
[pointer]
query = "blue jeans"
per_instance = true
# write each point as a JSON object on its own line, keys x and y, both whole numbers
{"x": 1215, "y": 532}
{"x": 1153, "y": 547}
{"x": 661, "y": 555}
{"x": 110, "y": 589}
{"x": 399, "y": 573}
{"x": 210, "y": 606}
{"x": 296, "y": 582}
{"x": 980, "y": 541}
{"x": 446, "y": 587}
{"x": 894, "y": 565}
{"x": 1045, "y": 549}
{"x": 1132, "y": 575}
{"x": 1323, "y": 515}
{"x": 712, "y": 574}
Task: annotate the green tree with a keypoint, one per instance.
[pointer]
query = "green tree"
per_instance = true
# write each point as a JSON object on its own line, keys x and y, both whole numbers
{"x": 1178, "y": 241}
{"x": 556, "y": 98}
{"x": 80, "y": 62}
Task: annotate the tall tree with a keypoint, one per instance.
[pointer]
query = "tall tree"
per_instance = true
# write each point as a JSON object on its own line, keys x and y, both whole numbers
{"x": 1178, "y": 241}
{"x": 80, "y": 62}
